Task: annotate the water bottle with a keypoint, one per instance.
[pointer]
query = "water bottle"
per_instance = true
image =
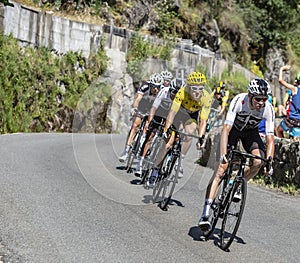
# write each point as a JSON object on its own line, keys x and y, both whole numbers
{"x": 230, "y": 182}
{"x": 169, "y": 158}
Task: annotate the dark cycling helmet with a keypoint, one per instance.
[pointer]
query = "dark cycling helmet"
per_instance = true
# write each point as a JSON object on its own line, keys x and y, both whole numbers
{"x": 196, "y": 78}
{"x": 220, "y": 87}
{"x": 156, "y": 79}
{"x": 259, "y": 87}
{"x": 175, "y": 85}
{"x": 167, "y": 75}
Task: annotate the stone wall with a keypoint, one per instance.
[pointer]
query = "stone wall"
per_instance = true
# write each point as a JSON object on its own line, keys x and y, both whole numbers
{"x": 39, "y": 28}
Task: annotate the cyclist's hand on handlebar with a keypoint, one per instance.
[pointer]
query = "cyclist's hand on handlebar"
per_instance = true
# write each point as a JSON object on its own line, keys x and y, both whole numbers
{"x": 166, "y": 133}
{"x": 269, "y": 168}
{"x": 133, "y": 111}
{"x": 200, "y": 143}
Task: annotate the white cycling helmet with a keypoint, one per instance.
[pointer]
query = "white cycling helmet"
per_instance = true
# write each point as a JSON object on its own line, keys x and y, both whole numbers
{"x": 167, "y": 75}
{"x": 258, "y": 87}
{"x": 156, "y": 79}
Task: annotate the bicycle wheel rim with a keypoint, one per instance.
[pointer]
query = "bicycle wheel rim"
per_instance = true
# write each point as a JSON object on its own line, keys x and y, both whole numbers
{"x": 159, "y": 185}
{"x": 131, "y": 154}
{"x": 157, "y": 190}
{"x": 169, "y": 183}
{"x": 233, "y": 215}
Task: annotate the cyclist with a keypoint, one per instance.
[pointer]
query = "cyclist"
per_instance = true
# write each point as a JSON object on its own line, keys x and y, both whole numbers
{"x": 167, "y": 76}
{"x": 158, "y": 113}
{"x": 245, "y": 112}
{"x": 141, "y": 105}
{"x": 291, "y": 123}
{"x": 221, "y": 96}
{"x": 192, "y": 99}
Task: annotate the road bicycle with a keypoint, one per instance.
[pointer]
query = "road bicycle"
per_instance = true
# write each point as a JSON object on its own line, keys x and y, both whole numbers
{"x": 212, "y": 118}
{"x": 152, "y": 153}
{"x": 136, "y": 144}
{"x": 226, "y": 206}
{"x": 168, "y": 173}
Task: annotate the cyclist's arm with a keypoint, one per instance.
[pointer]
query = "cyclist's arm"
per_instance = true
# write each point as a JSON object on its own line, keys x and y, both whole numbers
{"x": 151, "y": 114}
{"x": 224, "y": 139}
{"x": 270, "y": 125}
{"x": 270, "y": 146}
{"x": 283, "y": 82}
{"x": 174, "y": 108}
{"x": 137, "y": 100}
{"x": 170, "y": 119}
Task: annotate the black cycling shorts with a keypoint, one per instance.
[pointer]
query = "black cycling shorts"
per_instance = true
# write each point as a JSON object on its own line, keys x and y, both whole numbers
{"x": 250, "y": 139}
{"x": 184, "y": 117}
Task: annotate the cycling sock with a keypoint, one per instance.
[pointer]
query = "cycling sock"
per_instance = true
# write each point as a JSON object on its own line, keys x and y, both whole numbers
{"x": 206, "y": 207}
{"x": 127, "y": 147}
{"x": 141, "y": 161}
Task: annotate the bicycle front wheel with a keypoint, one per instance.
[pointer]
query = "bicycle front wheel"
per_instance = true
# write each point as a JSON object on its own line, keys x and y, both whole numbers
{"x": 133, "y": 150}
{"x": 169, "y": 183}
{"x": 214, "y": 211}
{"x": 233, "y": 213}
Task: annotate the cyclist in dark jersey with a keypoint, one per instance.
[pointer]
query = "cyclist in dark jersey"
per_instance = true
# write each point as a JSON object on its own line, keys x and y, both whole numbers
{"x": 158, "y": 113}
{"x": 245, "y": 112}
{"x": 141, "y": 106}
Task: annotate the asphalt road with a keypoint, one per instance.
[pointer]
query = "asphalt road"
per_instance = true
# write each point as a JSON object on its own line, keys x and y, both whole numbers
{"x": 65, "y": 198}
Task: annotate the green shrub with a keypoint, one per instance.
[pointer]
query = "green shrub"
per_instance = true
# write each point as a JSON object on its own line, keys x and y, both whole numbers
{"x": 36, "y": 84}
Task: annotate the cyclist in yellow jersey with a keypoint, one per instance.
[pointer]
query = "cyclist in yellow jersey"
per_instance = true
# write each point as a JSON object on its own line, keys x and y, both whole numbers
{"x": 190, "y": 109}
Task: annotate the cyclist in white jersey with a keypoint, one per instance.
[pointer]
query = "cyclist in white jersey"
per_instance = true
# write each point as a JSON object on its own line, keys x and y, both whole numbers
{"x": 245, "y": 112}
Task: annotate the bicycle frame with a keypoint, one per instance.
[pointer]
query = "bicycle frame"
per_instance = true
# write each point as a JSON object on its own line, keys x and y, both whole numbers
{"x": 134, "y": 147}
{"x": 152, "y": 154}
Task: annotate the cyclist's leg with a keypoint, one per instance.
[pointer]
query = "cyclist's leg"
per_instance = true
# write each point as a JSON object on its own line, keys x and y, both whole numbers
{"x": 144, "y": 149}
{"x": 253, "y": 144}
{"x": 214, "y": 182}
{"x": 135, "y": 125}
{"x": 189, "y": 128}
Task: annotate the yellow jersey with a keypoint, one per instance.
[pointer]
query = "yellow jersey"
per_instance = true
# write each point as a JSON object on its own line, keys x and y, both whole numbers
{"x": 183, "y": 99}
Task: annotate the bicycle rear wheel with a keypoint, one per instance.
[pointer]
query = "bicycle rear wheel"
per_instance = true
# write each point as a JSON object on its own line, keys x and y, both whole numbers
{"x": 233, "y": 214}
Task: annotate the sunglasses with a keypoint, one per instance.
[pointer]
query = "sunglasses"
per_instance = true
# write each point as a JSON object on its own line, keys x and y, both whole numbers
{"x": 259, "y": 99}
{"x": 197, "y": 88}
{"x": 153, "y": 86}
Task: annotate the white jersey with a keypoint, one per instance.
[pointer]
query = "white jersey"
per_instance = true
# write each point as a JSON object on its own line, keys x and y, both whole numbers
{"x": 243, "y": 118}
{"x": 163, "y": 99}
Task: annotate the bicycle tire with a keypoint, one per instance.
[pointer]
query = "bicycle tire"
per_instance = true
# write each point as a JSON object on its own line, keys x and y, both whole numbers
{"x": 169, "y": 183}
{"x": 157, "y": 190}
{"x": 162, "y": 174}
{"x": 148, "y": 163}
{"x": 134, "y": 149}
{"x": 233, "y": 214}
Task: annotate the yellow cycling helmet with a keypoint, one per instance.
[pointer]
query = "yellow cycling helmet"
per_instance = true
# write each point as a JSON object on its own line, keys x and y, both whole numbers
{"x": 196, "y": 78}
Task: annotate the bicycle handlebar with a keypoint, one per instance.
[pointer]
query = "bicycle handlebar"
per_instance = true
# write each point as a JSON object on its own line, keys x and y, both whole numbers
{"x": 140, "y": 115}
{"x": 183, "y": 133}
{"x": 267, "y": 161}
